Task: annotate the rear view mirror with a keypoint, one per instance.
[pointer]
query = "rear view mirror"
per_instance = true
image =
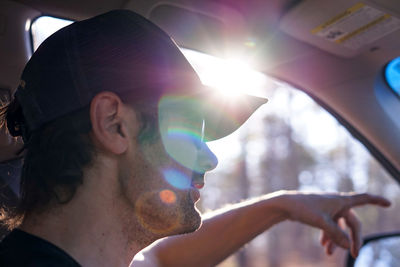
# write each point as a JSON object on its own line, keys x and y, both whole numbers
{"x": 379, "y": 250}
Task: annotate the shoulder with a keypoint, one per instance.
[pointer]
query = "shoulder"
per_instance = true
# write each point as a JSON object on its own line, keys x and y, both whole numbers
{"x": 19, "y": 248}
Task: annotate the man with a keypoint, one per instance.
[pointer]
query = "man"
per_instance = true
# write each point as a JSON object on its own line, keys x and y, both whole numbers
{"x": 114, "y": 122}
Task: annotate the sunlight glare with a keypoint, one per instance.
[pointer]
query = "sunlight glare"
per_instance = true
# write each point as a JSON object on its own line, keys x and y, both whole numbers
{"x": 230, "y": 76}
{"x": 45, "y": 26}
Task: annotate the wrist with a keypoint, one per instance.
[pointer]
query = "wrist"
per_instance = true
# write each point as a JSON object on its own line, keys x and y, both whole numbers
{"x": 284, "y": 203}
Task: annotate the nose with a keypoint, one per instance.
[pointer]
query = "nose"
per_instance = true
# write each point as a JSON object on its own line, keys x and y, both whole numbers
{"x": 206, "y": 159}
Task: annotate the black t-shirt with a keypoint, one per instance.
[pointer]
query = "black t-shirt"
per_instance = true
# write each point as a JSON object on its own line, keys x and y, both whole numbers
{"x": 19, "y": 248}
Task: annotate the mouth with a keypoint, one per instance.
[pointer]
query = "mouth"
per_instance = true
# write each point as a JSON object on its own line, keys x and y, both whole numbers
{"x": 197, "y": 184}
{"x": 198, "y": 180}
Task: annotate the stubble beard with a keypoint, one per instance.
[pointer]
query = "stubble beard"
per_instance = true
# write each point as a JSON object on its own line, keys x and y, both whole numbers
{"x": 141, "y": 182}
{"x": 162, "y": 219}
{"x": 147, "y": 218}
{"x": 191, "y": 217}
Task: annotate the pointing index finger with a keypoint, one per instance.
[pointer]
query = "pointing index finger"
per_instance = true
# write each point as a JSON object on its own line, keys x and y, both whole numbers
{"x": 365, "y": 198}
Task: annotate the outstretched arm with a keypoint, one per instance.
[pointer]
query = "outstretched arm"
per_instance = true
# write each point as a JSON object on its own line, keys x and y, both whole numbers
{"x": 226, "y": 230}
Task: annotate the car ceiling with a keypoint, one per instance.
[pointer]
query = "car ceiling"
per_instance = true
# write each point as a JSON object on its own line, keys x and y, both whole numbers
{"x": 276, "y": 37}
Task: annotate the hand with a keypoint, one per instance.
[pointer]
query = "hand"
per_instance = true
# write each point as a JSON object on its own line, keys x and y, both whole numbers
{"x": 331, "y": 213}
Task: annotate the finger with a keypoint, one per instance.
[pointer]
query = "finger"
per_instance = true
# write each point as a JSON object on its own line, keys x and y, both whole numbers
{"x": 327, "y": 247}
{"x": 323, "y": 238}
{"x": 331, "y": 248}
{"x": 354, "y": 224}
{"x": 342, "y": 224}
{"x": 334, "y": 233}
{"x": 362, "y": 199}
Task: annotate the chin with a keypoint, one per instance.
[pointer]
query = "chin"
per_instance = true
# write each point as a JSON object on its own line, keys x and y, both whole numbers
{"x": 191, "y": 222}
{"x": 161, "y": 219}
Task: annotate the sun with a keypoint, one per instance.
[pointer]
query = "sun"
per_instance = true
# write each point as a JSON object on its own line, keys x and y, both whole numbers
{"x": 231, "y": 77}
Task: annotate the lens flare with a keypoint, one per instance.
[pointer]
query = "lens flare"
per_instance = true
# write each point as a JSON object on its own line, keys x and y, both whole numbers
{"x": 182, "y": 129}
{"x": 167, "y": 196}
{"x": 177, "y": 179}
{"x": 184, "y": 135}
{"x": 155, "y": 216}
{"x": 250, "y": 44}
{"x": 183, "y": 114}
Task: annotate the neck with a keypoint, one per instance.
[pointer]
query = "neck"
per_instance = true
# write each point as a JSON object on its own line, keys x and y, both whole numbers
{"x": 94, "y": 227}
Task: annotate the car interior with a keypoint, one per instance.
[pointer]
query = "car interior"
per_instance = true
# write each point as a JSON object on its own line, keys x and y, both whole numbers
{"x": 343, "y": 54}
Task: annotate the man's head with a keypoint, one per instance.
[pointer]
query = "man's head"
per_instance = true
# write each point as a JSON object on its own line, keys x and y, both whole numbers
{"x": 154, "y": 183}
{"x": 116, "y": 89}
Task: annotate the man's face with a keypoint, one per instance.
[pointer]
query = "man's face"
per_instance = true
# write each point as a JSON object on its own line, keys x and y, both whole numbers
{"x": 162, "y": 175}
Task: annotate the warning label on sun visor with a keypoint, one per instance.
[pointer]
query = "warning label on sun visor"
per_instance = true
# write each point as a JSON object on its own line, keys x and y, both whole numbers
{"x": 357, "y": 26}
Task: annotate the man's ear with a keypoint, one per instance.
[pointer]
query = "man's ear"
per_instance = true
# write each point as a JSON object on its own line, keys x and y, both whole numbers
{"x": 109, "y": 128}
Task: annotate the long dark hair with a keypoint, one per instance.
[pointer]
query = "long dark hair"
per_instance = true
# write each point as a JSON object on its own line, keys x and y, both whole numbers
{"x": 53, "y": 162}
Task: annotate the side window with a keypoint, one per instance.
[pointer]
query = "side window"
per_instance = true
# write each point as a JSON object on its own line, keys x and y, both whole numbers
{"x": 45, "y": 26}
{"x": 290, "y": 143}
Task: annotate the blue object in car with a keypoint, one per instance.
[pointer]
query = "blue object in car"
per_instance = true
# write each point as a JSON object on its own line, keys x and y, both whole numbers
{"x": 392, "y": 75}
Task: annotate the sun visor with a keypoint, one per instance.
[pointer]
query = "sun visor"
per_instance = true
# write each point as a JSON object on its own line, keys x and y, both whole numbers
{"x": 344, "y": 27}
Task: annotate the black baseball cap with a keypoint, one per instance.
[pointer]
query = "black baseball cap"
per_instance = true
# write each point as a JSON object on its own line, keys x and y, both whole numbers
{"x": 122, "y": 52}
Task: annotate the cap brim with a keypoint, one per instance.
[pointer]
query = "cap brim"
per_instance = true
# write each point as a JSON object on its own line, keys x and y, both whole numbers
{"x": 224, "y": 114}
